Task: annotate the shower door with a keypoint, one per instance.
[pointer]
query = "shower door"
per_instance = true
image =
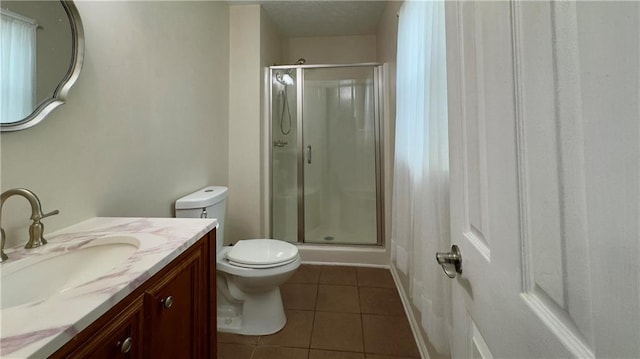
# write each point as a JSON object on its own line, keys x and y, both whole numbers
{"x": 335, "y": 152}
{"x": 339, "y": 145}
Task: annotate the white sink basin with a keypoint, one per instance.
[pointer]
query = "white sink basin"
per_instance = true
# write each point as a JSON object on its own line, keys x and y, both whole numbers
{"x": 42, "y": 277}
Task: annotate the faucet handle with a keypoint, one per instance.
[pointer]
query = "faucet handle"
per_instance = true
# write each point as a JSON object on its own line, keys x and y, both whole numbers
{"x": 52, "y": 213}
{"x": 36, "y": 231}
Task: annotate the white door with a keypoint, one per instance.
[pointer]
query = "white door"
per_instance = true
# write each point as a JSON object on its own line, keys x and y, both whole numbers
{"x": 545, "y": 178}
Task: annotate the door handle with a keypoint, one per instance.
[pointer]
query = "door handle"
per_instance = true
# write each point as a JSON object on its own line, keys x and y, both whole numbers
{"x": 451, "y": 262}
{"x": 309, "y": 154}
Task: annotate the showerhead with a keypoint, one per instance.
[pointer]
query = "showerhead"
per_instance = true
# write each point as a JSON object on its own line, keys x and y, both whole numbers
{"x": 284, "y": 78}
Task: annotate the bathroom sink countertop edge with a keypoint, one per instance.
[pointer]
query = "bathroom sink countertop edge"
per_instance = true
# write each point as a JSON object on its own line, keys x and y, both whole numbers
{"x": 38, "y": 329}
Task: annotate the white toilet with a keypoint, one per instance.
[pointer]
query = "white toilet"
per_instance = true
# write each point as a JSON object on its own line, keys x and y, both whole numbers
{"x": 249, "y": 273}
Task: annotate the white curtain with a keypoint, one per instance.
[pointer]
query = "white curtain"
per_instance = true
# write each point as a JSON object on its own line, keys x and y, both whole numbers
{"x": 17, "y": 67}
{"x": 420, "y": 221}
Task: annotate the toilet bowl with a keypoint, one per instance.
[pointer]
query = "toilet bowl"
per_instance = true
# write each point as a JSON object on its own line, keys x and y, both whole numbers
{"x": 249, "y": 300}
{"x": 248, "y": 274}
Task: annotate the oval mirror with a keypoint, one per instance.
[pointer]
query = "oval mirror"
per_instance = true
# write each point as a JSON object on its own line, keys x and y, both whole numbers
{"x": 41, "y": 49}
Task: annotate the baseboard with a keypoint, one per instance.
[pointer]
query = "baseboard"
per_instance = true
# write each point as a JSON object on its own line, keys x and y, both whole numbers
{"x": 347, "y": 264}
{"x": 413, "y": 322}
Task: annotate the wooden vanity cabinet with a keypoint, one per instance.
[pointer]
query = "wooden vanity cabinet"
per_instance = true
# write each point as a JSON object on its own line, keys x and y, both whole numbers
{"x": 119, "y": 338}
{"x": 171, "y": 315}
{"x": 174, "y": 312}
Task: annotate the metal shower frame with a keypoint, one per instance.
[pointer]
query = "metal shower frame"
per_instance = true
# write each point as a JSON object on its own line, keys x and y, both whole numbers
{"x": 378, "y": 144}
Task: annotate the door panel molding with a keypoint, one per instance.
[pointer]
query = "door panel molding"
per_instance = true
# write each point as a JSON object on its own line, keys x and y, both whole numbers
{"x": 554, "y": 238}
{"x": 478, "y": 346}
{"x": 474, "y": 142}
{"x": 558, "y": 322}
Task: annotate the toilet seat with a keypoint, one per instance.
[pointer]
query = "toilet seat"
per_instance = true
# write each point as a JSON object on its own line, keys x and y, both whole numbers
{"x": 260, "y": 266}
{"x": 261, "y": 253}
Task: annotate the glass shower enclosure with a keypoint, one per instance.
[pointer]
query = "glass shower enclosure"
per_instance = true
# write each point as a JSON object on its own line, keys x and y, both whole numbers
{"x": 326, "y": 154}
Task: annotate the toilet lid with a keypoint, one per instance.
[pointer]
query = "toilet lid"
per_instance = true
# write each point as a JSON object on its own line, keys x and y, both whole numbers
{"x": 262, "y": 252}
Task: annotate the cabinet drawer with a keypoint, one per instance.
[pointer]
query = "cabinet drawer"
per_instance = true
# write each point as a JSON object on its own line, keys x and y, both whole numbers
{"x": 119, "y": 338}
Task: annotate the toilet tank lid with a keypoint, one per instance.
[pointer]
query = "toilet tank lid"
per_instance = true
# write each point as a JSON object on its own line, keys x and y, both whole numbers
{"x": 202, "y": 198}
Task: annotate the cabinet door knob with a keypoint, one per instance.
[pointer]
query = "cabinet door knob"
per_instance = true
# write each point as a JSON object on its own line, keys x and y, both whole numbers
{"x": 125, "y": 346}
{"x": 167, "y": 302}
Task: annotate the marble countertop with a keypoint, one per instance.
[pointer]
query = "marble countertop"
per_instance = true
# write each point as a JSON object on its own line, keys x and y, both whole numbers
{"x": 38, "y": 329}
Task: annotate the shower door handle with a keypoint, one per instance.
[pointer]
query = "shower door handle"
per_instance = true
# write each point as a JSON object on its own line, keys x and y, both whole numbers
{"x": 309, "y": 154}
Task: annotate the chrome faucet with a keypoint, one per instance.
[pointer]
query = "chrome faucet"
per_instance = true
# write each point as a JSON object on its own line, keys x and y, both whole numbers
{"x": 36, "y": 229}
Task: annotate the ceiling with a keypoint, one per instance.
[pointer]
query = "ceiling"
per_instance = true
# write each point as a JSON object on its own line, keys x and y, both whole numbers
{"x": 305, "y": 18}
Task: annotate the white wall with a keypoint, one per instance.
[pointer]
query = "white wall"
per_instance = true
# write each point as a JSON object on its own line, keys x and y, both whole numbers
{"x": 270, "y": 54}
{"x": 270, "y": 42}
{"x": 243, "y": 206}
{"x": 256, "y": 44}
{"x": 330, "y": 49}
{"x": 145, "y": 124}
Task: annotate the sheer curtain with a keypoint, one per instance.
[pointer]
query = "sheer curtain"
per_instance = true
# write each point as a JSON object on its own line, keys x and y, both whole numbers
{"x": 420, "y": 220}
{"x": 17, "y": 66}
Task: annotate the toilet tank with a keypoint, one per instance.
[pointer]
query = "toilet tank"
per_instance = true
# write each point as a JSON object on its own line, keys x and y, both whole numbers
{"x": 208, "y": 202}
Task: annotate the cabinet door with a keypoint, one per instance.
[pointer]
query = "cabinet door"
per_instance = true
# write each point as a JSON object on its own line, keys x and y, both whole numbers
{"x": 174, "y": 312}
{"x": 120, "y": 338}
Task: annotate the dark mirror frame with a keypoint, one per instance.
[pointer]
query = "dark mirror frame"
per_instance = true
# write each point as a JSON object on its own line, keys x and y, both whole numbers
{"x": 61, "y": 91}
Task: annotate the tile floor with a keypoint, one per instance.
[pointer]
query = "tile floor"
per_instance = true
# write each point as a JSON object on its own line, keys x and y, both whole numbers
{"x": 333, "y": 312}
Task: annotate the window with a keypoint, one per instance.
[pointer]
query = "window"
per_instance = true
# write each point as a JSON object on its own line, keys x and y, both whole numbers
{"x": 17, "y": 66}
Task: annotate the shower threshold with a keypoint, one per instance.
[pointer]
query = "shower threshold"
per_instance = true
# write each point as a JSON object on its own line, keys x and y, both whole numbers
{"x": 325, "y": 234}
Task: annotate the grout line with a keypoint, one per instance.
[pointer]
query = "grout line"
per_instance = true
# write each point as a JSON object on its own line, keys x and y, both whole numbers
{"x": 364, "y": 348}
{"x": 315, "y": 307}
